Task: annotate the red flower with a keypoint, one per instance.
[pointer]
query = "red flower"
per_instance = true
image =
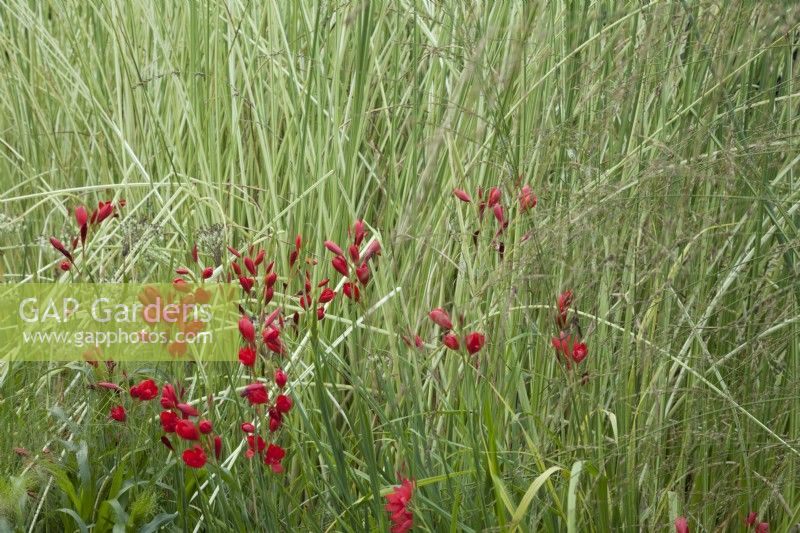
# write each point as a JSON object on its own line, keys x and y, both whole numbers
{"x": 58, "y": 245}
{"x": 474, "y": 342}
{"x": 397, "y": 503}
{"x": 217, "y": 446}
{"x": 359, "y": 233}
{"x": 194, "y": 457}
{"x": 195, "y": 255}
{"x": 351, "y": 291}
{"x": 441, "y": 318}
{"x": 168, "y": 397}
{"x": 187, "y": 430}
{"x": 247, "y": 330}
{"x": 81, "y": 216}
{"x": 681, "y": 526}
{"x": 564, "y": 301}
{"x": 327, "y": 295}
{"x": 247, "y": 427}
{"x": 494, "y": 197}
{"x": 169, "y": 420}
{"x": 498, "y": 214}
{"x": 275, "y": 345}
{"x": 451, "y": 341}
{"x": 103, "y": 211}
{"x": 333, "y": 247}
{"x": 255, "y": 444}
{"x": 247, "y": 355}
{"x": 108, "y": 386}
{"x": 763, "y": 527}
{"x": 340, "y": 264}
{"x": 275, "y": 420}
{"x": 527, "y": 200}
{"x": 250, "y": 265}
{"x": 256, "y": 393}
{"x": 64, "y": 265}
{"x": 579, "y": 352}
{"x": 246, "y": 283}
{"x": 363, "y": 274}
{"x": 118, "y": 413}
{"x": 273, "y": 458}
{"x": 462, "y": 195}
{"x": 208, "y": 272}
{"x": 145, "y": 390}
{"x": 283, "y": 403}
{"x": 187, "y": 410}
{"x": 354, "y": 252}
{"x": 373, "y": 249}
{"x": 564, "y": 345}
{"x": 751, "y": 518}
{"x": 205, "y": 427}
{"x": 280, "y": 378}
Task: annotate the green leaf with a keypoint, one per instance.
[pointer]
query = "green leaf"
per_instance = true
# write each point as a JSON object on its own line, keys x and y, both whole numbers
{"x": 534, "y": 487}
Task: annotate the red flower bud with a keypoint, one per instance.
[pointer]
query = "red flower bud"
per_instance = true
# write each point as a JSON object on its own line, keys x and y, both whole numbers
{"x": 494, "y": 197}
{"x": 187, "y": 430}
{"x": 326, "y": 296}
{"x": 58, "y": 245}
{"x": 333, "y": 247}
{"x": 283, "y": 403}
{"x": 256, "y": 393}
{"x": 358, "y": 229}
{"x": 363, "y": 273}
{"x": 373, "y": 249}
{"x": 498, "y": 214}
{"x": 527, "y": 200}
{"x": 250, "y": 265}
{"x": 187, "y": 410}
{"x": 280, "y": 378}
{"x": 167, "y": 443}
{"x": 217, "y": 446}
{"x": 474, "y": 342}
{"x": 247, "y": 355}
{"x": 247, "y": 330}
{"x": 340, "y": 264}
{"x": 351, "y": 291}
{"x": 579, "y": 352}
{"x": 246, "y": 283}
{"x": 462, "y": 195}
{"x": 208, "y": 272}
{"x": 441, "y": 318}
{"x": 81, "y": 216}
{"x": 205, "y": 427}
{"x": 451, "y": 341}
{"x": 260, "y": 257}
{"x": 118, "y": 413}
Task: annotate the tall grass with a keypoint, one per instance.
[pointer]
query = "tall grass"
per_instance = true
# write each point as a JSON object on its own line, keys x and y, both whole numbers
{"x": 660, "y": 138}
